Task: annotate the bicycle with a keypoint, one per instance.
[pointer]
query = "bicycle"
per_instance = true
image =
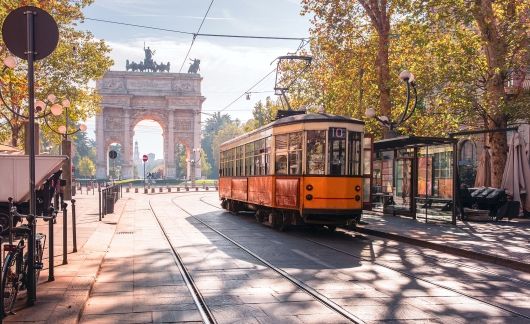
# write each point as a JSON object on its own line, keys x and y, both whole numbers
{"x": 15, "y": 268}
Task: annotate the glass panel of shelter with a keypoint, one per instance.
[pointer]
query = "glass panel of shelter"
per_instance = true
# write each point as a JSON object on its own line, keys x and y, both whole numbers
{"x": 435, "y": 182}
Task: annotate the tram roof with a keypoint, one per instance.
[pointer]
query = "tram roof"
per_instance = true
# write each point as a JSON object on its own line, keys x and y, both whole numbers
{"x": 300, "y": 118}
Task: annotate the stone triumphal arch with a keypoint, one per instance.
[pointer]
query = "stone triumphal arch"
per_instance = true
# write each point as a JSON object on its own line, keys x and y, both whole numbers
{"x": 173, "y": 100}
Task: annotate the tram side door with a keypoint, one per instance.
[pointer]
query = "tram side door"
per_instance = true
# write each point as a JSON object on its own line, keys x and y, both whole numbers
{"x": 368, "y": 144}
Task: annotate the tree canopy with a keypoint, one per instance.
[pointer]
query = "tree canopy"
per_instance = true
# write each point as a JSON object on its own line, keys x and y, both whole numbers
{"x": 68, "y": 72}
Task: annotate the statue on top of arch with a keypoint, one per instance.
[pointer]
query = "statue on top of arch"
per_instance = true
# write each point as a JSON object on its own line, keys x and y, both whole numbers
{"x": 148, "y": 63}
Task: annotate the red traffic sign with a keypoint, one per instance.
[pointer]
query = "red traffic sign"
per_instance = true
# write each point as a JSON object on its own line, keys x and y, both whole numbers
{"x": 145, "y": 158}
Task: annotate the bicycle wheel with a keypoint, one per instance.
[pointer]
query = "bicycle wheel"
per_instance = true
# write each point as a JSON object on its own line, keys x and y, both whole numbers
{"x": 40, "y": 241}
{"x": 10, "y": 281}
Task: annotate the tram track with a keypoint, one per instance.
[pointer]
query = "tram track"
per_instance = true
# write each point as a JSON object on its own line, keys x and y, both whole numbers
{"x": 198, "y": 299}
{"x": 298, "y": 283}
{"x": 410, "y": 275}
{"x": 431, "y": 257}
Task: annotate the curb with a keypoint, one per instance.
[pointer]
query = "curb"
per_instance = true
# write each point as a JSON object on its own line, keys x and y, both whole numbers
{"x": 513, "y": 264}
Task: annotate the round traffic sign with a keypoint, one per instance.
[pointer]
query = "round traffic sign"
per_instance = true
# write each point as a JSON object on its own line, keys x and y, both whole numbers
{"x": 15, "y": 32}
{"x": 113, "y": 154}
{"x": 145, "y": 158}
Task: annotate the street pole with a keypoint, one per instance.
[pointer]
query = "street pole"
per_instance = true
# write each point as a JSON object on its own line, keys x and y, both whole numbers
{"x": 32, "y": 292}
{"x": 144, "y": 176}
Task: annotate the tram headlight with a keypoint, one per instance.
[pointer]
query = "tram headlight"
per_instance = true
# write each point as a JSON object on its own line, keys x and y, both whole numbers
{"x": 357, "y": 197}
{"x": 309, "y": 197}
{"x": 309, "y": 187}
{"x": 357, "y": 188}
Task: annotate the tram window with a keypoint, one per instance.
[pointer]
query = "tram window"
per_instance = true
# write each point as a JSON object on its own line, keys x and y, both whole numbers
{"x": 281, "y": 163}
{"x": 281, "y": 154}
{"x": 295, "y": 153}
{"x": 316, "y": 144}
{"x": 337, "y": 151}
{"x": 249, "y": 151}
{"x": 281, "y": 142}
{"x": 267, "y": 163}
{"x": 239, "y": 161}
{"x": 354, "y": 149}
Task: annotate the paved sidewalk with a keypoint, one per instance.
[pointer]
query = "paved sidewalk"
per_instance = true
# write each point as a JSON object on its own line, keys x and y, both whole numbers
{"x": 62, "y": 300}
{"x": 139, "y": 280}
{"x": 505, "y": 243}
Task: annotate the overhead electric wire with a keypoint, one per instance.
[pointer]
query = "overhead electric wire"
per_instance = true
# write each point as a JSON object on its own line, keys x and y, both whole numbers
{"x": 195, "y": 35}
{"x": 303, "y": 43}
{"x": 244, "y": 93}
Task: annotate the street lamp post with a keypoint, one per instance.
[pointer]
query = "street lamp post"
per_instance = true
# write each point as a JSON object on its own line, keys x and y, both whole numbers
{"x": 193, "y": 161}
{"x": 392, "y": 126}
{"x": 66, "y": 145}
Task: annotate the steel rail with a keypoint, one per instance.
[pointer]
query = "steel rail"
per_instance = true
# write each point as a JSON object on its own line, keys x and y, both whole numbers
{"x": 432, "y": 257}
{"x": 414, "y": 276}
{"x": 315, "y": 294}
{"x": 198, "y": 299}
{"x": 419, "y": 278}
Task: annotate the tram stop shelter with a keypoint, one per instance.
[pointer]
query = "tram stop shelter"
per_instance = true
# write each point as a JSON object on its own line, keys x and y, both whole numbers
{"x": 416, "y": 177}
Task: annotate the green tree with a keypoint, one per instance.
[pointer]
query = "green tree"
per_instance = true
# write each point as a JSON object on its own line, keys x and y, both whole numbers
{"x": 67, "y": 72}
{"x": 226, "y": 133}
{"x": 262, "y": 113}
{"x": 503, "y": 32}
{"x": 86, "y": 167}
{"x": 211, "y": 127}
{"x": 206, "y": 168}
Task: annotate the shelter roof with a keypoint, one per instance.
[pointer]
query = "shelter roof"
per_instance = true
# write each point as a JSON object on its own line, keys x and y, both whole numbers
{"x": 411, "y": 141}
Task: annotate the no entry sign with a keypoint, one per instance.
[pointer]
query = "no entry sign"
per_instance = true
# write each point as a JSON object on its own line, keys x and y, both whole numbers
{"x": 145, "y": 158}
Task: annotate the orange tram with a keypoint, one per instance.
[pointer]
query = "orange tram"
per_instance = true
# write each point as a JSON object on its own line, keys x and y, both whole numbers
{"x": 300, "y": 169}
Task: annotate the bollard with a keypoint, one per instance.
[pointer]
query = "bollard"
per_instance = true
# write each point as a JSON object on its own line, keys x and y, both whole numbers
{"x": 127, "y": 190}
{"x": 135, "y": 190}
{"x": 65, "y": 232}
{"x": 104, "y": 202}
{"x": 145, "y": 190}
{"x": 178, "y": 189}
{"x": 99, "y": 198}
{"x": 160, "y": 189}
{"x": 196, "y": 188}
{"x": 74, "y": 225}
{"x": 51, "y": 242}
{"x": 153, "y": 190}
{"x": 187, "y": 188}
{"x": 206, "y": 188}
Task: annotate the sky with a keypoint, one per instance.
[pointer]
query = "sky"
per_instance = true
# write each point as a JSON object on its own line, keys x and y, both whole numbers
{"x": 229, "y": 66}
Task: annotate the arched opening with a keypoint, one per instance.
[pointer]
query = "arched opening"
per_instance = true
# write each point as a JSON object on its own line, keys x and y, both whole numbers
{"x": 148, "y": 140}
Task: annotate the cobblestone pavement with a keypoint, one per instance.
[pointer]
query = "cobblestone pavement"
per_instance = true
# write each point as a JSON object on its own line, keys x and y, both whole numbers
{"x": 125, "y": 272}
{"x": 405, "y": 283}
{"x": 502, "y": 242}
{"x": 61, "y": 300}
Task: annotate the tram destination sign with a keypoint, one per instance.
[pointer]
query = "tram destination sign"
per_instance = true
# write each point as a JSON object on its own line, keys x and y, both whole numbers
{"x": 337, "y": 132}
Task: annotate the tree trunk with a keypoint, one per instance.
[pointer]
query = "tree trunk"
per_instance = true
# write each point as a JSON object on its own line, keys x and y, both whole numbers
{"x": 383, "y": 80}
{"x": 498, "y": 141}
{"x": 15, "y": 134}
{"x": 495, "y": 50}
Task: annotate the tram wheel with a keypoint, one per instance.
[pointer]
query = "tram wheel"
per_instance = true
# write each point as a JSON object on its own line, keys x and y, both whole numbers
{"x": 283, "y": 222}
{"x": 331, "y": 228}
{"x": 259, "y": 215}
